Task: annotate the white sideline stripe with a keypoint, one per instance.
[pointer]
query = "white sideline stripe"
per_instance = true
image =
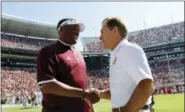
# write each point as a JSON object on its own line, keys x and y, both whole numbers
{"x": 47, "y": 81}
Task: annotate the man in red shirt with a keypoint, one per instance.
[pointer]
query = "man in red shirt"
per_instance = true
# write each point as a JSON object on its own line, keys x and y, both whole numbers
{"x": 61, "y": 73}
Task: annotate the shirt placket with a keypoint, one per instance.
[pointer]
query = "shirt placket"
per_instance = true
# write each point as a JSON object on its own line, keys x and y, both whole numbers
{"x": 76, "y": 57}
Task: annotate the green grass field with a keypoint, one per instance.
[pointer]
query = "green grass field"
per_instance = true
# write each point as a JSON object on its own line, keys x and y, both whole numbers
{"x": 164, "y": 103}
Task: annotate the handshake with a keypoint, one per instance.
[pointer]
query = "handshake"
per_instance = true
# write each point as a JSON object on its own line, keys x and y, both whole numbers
{"x": 91, "y": 95}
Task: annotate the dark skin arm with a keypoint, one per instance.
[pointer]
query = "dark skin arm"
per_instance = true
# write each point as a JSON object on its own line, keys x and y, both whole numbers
{"x": 61, "y": 89}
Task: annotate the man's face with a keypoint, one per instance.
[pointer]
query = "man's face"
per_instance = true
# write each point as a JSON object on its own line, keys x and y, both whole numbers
{"x": 71, "y": 33}
{"x": 106, "y": 36}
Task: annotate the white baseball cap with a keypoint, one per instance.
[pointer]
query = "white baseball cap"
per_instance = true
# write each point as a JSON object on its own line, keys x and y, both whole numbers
{"x": 69, "y": 21}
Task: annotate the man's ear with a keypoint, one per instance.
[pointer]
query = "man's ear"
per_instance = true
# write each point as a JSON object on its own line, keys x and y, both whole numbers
{"x": 115, "y": 31}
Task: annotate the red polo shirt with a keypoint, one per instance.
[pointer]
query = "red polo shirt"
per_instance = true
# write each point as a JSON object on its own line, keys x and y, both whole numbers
{"x": 61, "y": 62}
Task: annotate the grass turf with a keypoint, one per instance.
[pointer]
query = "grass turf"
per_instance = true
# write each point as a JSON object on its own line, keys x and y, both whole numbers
{"x": 163, "y": 103}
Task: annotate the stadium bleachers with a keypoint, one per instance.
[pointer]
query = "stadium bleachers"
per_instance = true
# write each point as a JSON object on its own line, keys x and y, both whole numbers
{"x": 145, "y": 38}
{"x": 24, "y": 42}
{"x": 158, "y": 35}
{"x": 14, "y": 81}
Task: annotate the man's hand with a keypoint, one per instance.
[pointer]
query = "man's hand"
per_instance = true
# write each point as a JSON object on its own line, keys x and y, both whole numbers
{"x": 103, "y": 94}
{"x": 92, "y": 96}
{"x": 95, "y": 91}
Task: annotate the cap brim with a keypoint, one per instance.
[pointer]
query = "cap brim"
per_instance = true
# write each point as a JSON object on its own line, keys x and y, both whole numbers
{"x": 73, "y": 22}
{"x": 82, "y": 26}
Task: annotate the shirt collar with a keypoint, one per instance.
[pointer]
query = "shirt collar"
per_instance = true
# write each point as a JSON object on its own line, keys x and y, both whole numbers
{"x": 123, "y": 41}
{"x": 65, "y": 43}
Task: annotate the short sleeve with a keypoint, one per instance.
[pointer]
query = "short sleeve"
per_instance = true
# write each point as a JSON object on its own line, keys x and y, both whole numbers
{"x": 45, "y": 68}
{"x": 136, "y": 64}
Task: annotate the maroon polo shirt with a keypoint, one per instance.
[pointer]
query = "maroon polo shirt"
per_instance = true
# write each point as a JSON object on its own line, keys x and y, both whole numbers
{"x": 61, "y": 62}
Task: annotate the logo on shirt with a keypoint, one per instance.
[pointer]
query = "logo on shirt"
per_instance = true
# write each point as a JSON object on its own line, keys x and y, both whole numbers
{"x": 68, "y": 58}
{"x": 114, "y": 62}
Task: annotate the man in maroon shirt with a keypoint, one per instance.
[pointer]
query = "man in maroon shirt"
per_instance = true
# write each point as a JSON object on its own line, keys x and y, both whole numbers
{"x": 61, "y": 73}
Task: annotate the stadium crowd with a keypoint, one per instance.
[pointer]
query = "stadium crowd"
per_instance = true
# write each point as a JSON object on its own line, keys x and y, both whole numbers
{"x": 23, "y": 42}
{"x": 144, "y": 38}
{"x": 19, "y": 83}
{"x": 157, "y": 35}
{"x": 171, "y": 89}
{"x": 98, "y": 79}
{"x": 148, "y": 37}
{"x": 16, "y": 83}
{"x": 95, "y": 47}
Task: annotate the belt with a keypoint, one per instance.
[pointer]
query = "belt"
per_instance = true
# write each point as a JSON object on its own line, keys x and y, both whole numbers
{"x": 120, "y": 108}
{"x": 145, "y": 107}
{"x": 117, "y": 109}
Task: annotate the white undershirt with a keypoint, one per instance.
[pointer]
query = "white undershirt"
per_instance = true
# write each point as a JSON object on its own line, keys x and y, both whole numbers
{"x": 65, "y": 43}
